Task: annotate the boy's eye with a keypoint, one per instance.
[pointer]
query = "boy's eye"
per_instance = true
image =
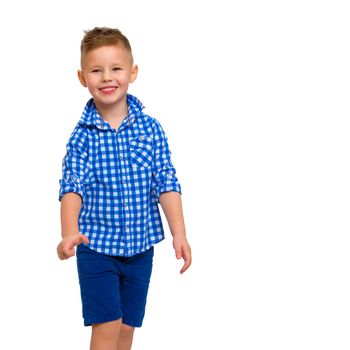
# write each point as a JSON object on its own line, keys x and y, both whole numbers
{"x": 116, "y": 69}
{"x": 96, "y": 70}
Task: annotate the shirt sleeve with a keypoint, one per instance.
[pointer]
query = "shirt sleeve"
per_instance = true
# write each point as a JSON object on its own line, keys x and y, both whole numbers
{"x": 75, "y": 165}
{"x": 164, "y": 173}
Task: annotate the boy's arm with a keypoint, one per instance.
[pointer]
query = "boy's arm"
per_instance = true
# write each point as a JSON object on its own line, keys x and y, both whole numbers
{"x": 70, "y": 208}
{"x": 75, "y": 174}
{"x": 167, "y": 190}
{"x": 172, "y": 208}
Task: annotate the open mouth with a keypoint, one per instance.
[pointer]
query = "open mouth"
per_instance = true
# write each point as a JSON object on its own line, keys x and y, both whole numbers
{"x": 108, "y": 89}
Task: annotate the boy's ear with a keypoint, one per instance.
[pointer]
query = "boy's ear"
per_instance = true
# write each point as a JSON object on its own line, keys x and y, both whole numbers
{"x": 81, "y": 78}
{"x": 133, "y": 74}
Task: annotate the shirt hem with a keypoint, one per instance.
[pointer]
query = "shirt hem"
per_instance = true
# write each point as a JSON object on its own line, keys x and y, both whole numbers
{"x": 108, "y": 251}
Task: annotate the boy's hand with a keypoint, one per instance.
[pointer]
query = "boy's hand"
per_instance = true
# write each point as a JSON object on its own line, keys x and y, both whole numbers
{"x": 183, "y": 250}
{"x": 65, "y": 249}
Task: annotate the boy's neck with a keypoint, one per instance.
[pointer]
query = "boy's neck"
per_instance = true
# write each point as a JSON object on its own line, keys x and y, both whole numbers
{"x": 115, "y": 114}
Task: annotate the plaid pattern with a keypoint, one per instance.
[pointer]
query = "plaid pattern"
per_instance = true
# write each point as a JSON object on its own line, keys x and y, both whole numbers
{"x": 119, "y": 176}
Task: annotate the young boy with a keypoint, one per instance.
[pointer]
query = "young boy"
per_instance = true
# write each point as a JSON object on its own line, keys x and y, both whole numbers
{"x": 116, "y": 170}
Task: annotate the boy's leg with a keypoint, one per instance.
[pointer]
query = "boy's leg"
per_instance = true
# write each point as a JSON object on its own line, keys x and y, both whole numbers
{"x": 125, "y": 337}
{"x": 133, "y": 288}
{"x": 104, "y": 336}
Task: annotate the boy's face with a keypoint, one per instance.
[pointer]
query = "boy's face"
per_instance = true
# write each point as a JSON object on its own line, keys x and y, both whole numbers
{"x": 107, "y": 72}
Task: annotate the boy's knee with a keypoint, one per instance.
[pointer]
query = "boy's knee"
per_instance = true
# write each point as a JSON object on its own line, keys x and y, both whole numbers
{"x": 108, "y": 329}
{"x": 126, "y": 331}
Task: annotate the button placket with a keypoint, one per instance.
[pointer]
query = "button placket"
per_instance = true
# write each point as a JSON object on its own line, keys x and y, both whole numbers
{"x": 123, "y": 161}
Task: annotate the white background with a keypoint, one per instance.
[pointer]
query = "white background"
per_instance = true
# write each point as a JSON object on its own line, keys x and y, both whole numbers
{"x": 254, "y": 97}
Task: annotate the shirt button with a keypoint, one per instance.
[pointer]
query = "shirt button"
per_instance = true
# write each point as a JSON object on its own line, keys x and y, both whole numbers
{"x": 141, "y": 138}
{"x": 120, "y": 156}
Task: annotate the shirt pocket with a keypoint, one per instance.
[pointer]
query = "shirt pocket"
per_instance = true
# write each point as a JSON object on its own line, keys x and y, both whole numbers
{"x": 141, "y": 151}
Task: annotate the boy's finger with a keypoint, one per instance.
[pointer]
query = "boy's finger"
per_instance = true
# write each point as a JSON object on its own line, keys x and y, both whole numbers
{"x": 68, "y": 252}
{"x": 84, "y": 239}
{"x": 184, "y": 268}
{"x": 178, "y": 253}
{"x": 79, "y": 239}
{"x": 188, "y": 262}
{"x": 60, "y": 252}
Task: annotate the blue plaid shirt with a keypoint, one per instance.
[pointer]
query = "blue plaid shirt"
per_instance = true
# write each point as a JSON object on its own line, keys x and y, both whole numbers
{"x": 119, "y": 175}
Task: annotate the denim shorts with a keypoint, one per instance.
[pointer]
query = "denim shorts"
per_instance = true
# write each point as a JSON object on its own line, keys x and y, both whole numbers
{"x": 113, "y": 287}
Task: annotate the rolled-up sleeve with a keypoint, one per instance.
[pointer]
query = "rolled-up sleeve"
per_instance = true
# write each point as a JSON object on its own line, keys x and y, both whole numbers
{"x": 164, "y": 173}
{"x": 75, "y": 165}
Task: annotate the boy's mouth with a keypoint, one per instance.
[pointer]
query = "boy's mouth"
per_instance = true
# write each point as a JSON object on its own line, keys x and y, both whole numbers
{"x": 108, "y": 89}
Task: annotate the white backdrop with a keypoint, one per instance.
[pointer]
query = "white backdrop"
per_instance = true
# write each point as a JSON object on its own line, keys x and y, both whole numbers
{"x": 254, "y": 97}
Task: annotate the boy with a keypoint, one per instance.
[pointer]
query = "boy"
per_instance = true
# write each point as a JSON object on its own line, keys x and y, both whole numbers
{"x": 116, "y": 171}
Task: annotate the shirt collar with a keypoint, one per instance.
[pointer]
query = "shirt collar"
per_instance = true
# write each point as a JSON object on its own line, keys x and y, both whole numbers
{"x": 90, "y": 116}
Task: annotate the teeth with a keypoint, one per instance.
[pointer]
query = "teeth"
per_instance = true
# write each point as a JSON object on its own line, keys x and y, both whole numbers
{"x": 108, "y": 89}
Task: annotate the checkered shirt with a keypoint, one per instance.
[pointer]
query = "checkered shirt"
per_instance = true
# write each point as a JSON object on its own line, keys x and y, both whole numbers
{"x": 119, "y": 175}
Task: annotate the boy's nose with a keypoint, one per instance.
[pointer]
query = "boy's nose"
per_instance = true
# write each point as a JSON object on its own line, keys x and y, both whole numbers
{"x": 106, "y": 76}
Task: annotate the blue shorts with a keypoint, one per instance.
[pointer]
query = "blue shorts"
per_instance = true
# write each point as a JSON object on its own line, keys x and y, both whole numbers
{"x": 113, "y": 287}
